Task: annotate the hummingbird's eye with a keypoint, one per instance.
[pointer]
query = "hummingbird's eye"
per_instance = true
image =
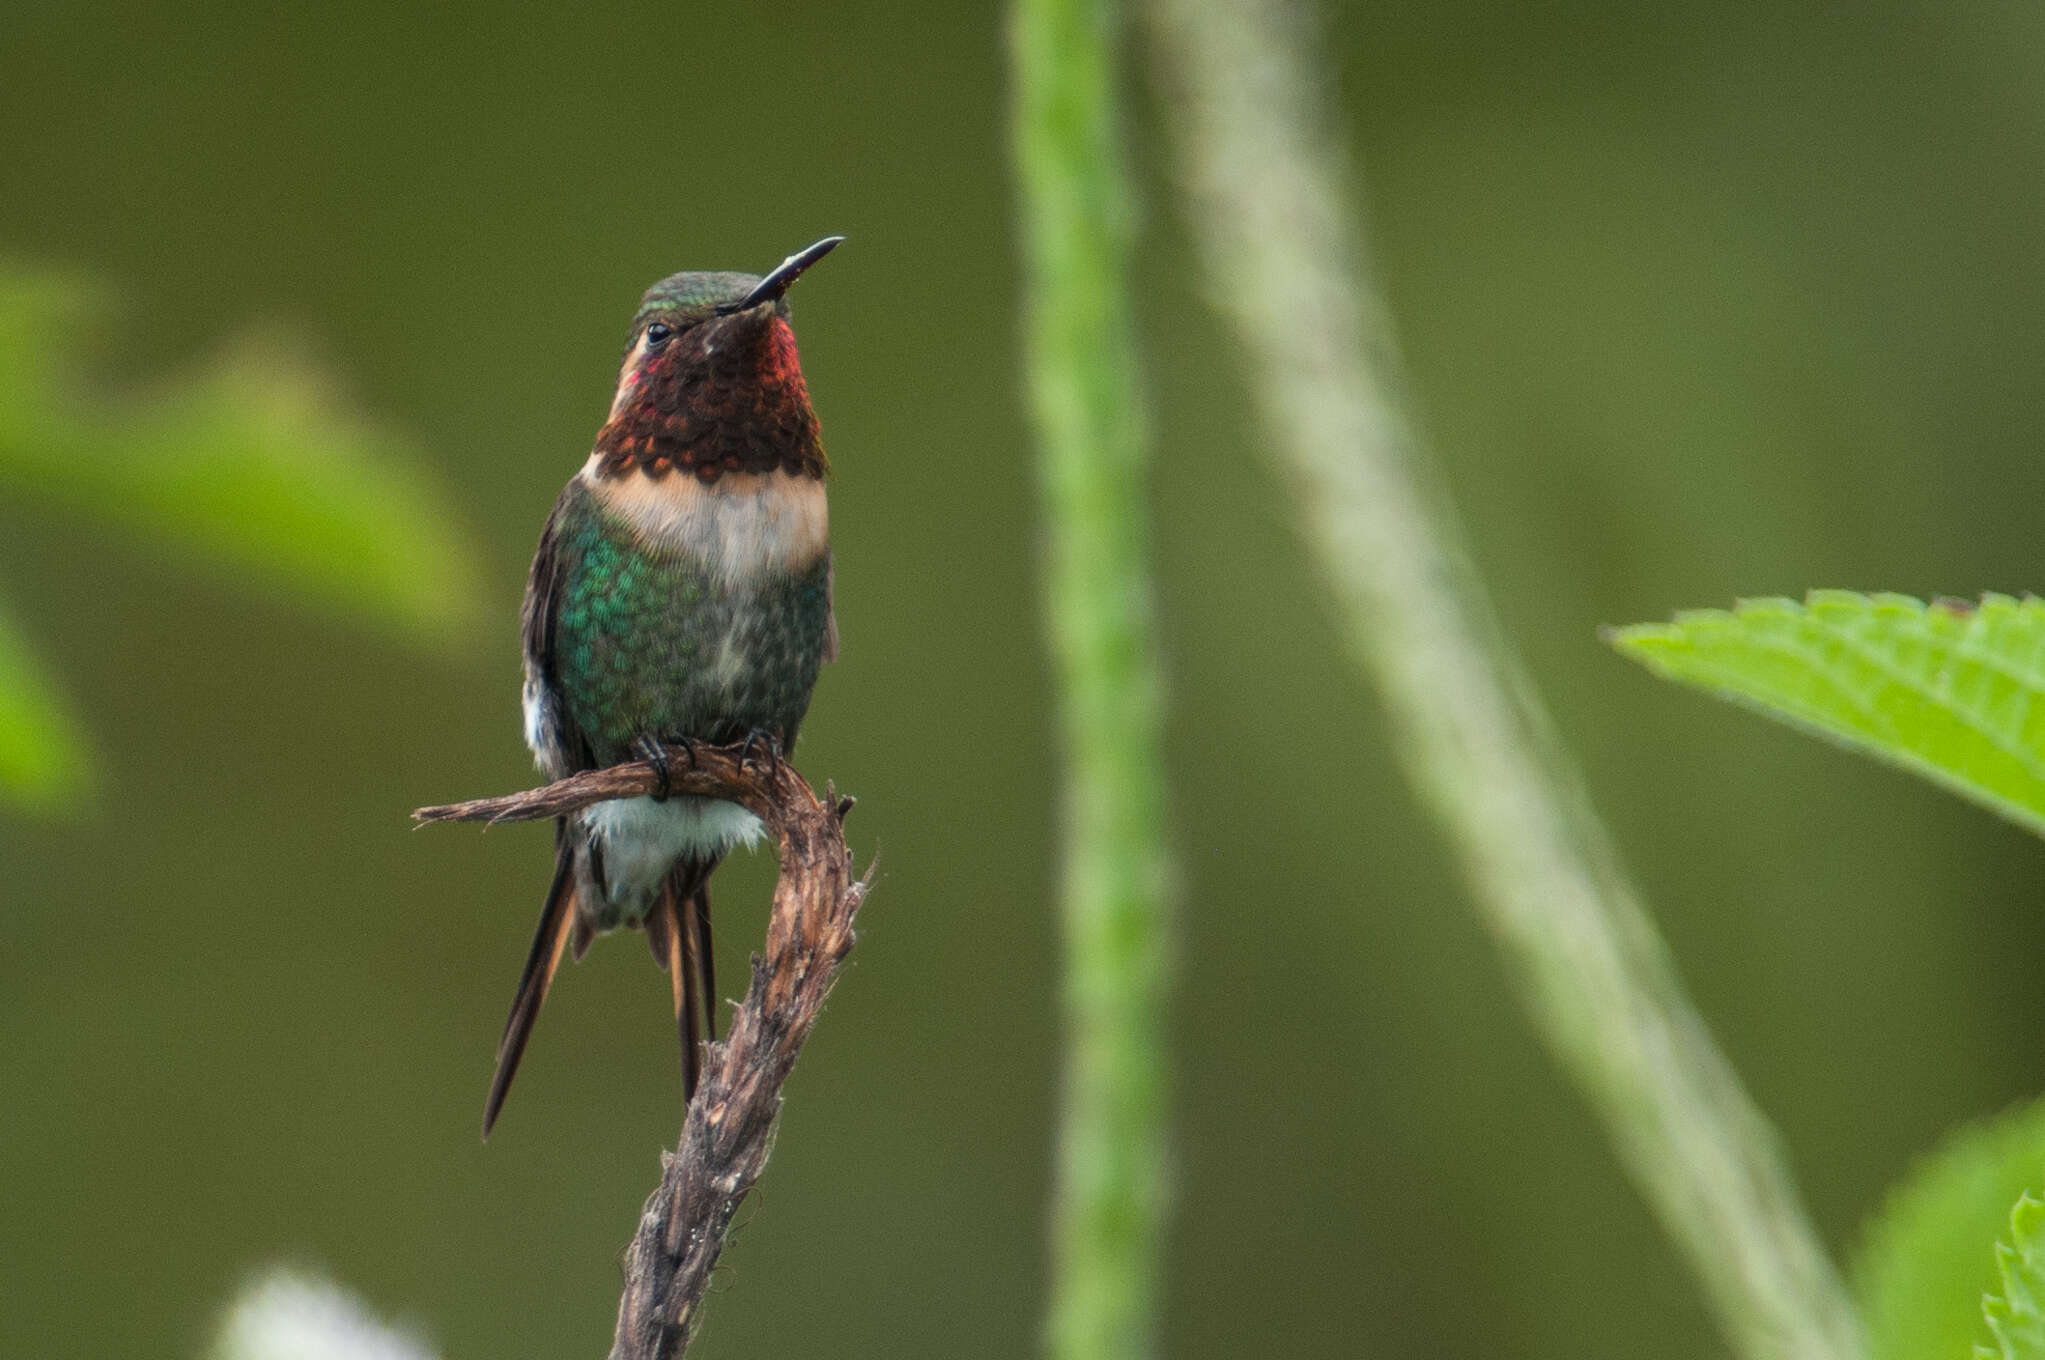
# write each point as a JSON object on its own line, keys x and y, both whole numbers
{"x": 658, "y": 333}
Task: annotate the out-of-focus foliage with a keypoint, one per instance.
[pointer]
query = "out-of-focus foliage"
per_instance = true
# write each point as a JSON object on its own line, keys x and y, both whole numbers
{"x": 249, "y": 462}
{"x": 43, "y": 759}
{"x": 1949, "y": 691}
{"x": 2012, "y": 1314}
{"x": 288, "y": 1316}
{"x": 1925, "y": 1263}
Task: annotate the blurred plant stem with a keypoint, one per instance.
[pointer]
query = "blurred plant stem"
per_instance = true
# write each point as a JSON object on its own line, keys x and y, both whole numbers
{"x": 1110, "y": 1199}
{"x": 1269, "y": 206}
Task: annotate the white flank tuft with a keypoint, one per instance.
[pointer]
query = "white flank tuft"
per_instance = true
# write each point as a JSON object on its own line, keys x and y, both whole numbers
{"x": 642, "y": 839}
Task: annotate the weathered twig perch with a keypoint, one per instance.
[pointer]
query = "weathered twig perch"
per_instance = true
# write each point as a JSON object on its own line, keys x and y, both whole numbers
{"x": 729, "y": 1128}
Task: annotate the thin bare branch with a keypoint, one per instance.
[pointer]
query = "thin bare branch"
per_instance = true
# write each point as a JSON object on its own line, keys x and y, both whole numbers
{"x": 715, "y": 771}
{"x": 729, "y": 1129}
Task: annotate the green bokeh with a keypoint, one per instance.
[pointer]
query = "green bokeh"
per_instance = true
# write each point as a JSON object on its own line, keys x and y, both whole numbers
{"x": 1700, "y": 302}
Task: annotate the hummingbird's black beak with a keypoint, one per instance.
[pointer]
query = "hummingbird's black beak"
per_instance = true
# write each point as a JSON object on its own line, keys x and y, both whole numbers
{"x": 778, "y": 280}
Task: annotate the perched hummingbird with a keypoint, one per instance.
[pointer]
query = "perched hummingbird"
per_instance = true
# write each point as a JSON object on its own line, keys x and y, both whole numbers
{"x": 681, "y": 594}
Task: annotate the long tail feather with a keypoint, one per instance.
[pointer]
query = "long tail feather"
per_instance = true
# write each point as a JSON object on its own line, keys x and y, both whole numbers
{"x": 681, "y": 976}
{"x": 557, "y": 918}
{"x": 660, "y": 937}
{"x": 699, "y": 910}
{"x": 678, "y": 931}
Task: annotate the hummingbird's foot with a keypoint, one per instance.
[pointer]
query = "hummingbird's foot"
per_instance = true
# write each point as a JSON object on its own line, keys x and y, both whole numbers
{"x": 762, "y": 738}
{"x": 654, "y": 752}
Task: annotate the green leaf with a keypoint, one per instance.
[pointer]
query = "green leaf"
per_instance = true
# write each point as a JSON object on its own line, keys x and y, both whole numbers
{"x": 250, "y": 461}
{"x": 44, "y": 763}
{"x": 1949, "y": 690}
{"x": 1924, "y": 1267}
{"x": 2012, "y": 1314}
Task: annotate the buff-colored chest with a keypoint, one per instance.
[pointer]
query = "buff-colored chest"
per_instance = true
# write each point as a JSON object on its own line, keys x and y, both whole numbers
{"x": 740, "y": 529}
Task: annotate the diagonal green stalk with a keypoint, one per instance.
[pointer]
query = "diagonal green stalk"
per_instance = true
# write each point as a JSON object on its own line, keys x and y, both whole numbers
{"x": 1110, "y": 1197}
{"x": 1265, "y": 183}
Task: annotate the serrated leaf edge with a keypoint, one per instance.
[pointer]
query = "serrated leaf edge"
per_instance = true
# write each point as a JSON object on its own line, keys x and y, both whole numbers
{"x": 1637, "y": 641}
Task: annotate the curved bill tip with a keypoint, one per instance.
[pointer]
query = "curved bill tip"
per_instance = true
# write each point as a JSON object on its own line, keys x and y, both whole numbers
{"x": 778, "y": 279}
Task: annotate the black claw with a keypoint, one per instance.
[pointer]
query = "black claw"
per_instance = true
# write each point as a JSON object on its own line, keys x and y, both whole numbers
{"x": 762, "y": 738}
{"x": 651, "y": 750}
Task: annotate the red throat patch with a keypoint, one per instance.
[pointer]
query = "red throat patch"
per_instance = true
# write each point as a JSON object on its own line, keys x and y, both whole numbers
{"x": 725, "y": 396}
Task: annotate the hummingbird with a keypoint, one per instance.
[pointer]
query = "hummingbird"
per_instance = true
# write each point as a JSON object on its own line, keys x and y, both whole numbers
{"x": 681, "y": 594}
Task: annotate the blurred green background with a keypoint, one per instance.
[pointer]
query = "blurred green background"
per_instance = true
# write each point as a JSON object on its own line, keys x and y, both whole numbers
{"x": 1700, "y": 301}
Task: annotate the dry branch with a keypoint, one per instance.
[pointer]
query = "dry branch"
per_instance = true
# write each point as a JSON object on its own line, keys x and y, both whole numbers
{"x": 729, "y": 1128}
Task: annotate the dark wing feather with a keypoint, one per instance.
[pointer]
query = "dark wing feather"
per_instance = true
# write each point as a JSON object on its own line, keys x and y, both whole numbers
{"x": 830, "y": 607}
{"x": 561, "y": 746}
